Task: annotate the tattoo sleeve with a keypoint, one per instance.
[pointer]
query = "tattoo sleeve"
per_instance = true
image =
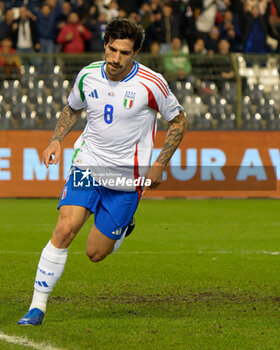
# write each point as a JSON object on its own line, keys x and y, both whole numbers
{"x": 66, "y": 121}
{"x": 174, "y": 136}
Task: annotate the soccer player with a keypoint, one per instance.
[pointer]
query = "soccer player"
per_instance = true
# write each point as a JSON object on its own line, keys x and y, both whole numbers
{"x": 122, "y": 98}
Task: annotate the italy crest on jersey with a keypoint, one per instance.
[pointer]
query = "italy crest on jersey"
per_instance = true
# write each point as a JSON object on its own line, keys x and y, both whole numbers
{"x": 128, "y": 99}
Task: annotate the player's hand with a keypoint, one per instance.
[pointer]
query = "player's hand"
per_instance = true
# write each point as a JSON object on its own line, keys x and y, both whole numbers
{"x": 69, "y": 36}
{"x": 51, "y": 154}
{"x": 80, "y": 28}
{"x": 14, "y": 26}
{"x": 155, "y": 175}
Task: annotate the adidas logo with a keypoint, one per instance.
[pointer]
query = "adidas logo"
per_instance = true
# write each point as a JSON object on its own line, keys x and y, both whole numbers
{"x": 94, "y": 94}
{"x": 42, "y": 283}
{"x": 117, "y": 233}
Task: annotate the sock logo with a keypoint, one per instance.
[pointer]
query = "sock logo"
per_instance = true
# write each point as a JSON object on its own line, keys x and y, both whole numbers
{"x": 45, "y": 273}
{"x": 42, "y": 283}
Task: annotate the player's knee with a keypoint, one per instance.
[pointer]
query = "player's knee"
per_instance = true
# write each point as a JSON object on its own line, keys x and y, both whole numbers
{"x": 64, "y": 231}
{"x": 96, "y": 257}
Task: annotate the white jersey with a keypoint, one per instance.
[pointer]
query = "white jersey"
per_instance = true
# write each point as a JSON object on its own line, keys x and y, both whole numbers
{"x": 121, "y": 117}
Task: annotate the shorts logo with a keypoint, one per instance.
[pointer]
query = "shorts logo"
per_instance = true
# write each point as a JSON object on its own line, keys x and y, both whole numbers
{"x": 117, "y": 233}
{"x": 81, "y": 178}
{"x": 64, "y": 192}
{"x": 129, "y": 98}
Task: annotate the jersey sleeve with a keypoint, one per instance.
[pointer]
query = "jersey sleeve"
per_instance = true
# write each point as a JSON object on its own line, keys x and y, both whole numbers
{"x": 76, "y": 98}
{"x": 167, "y": 103}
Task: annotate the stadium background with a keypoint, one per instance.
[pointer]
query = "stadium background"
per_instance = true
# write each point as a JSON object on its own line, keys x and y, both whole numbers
{"x": 196, "y": 274}
{"x": 230, "y": 93}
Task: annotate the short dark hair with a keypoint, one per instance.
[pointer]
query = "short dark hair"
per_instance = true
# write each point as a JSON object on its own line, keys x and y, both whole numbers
{"x": 123, "y": 28}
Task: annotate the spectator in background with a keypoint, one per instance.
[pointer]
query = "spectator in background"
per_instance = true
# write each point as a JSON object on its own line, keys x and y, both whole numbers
{"x": 66, "y": 9}
{"x": 52, "y": 3}
{"x": 97, "y": 29}
{"x": 231, "y": 31}
{"x": 111, "y": 11}
{"x": 273, "y": 22}
{"x": 254, "y": 31}
{"x": 2, "y": 10}
{"x": 212, "y": 40}
{"x": 169, "y": 28}
{"x": 92, "y": 18}
{"x": 223, "y": 5}
{"x": 177, "y": 64}
{"x": 46, "y": 25}
{"x": 101, "y": 4}
{"x": 10, "y": 63}
{"x": 134, "y": 16}
{"x": 187, "y": 24}
{"x": 6, "y": 25}
{"x": 199, "y": 47}
{"x": 276, "y": 5}
{"x": 25, "y": 33}
{"x": 73, "y": 35}
{"x": 152, "y": 31}
{"x": 122, "y": 13}
{"x": 156, "y": 7}
{"x": 93, "y": 13}
{"x": 82, "y": 8}
{"x": 224, "y": 49}
{"x": 155, "y": 62}
{"x": 206, "y": 18}
{"x": 272, "y": 17}
{"x": 145, "y": 13}
{"x": 217, "y": 69}
{"x": 249, "y": 4}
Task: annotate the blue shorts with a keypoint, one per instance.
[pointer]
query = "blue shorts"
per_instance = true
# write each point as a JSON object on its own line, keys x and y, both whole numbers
{"x": 113, "y": 210}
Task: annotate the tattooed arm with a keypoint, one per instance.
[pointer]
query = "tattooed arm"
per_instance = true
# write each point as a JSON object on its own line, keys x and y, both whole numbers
{"x": 66, "y": 121}
{"x": 174, "y": 136}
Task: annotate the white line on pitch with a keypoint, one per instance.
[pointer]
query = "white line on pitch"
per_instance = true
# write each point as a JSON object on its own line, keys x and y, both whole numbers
{"x": 199, "y": 251}
{"x": 18, "y": 252}
{"x": 25, "y": 342}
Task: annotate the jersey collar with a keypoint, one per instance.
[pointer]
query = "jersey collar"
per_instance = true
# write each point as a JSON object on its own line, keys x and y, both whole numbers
{"x": 130, "y": 75}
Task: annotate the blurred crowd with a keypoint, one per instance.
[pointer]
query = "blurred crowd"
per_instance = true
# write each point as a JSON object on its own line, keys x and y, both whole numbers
{"x": 182, "y": 38}
{"x": 199, "y": 26}
{"x": 173, "y": 28}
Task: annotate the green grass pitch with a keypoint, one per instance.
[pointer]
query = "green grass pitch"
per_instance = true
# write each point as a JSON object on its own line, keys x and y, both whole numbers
{"x": 194, "y": 275}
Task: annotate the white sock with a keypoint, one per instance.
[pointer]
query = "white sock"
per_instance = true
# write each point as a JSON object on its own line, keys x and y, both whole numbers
{"x": 39, "y": 300}
{"x": 49, "y": 271}
{"x": 119, "y": 242}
